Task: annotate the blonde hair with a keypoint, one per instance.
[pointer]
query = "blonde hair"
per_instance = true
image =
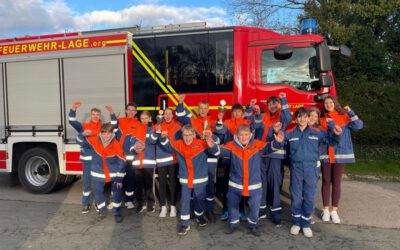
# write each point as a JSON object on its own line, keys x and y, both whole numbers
{"x": 189, "y": 128}
{"x": 243, "y": 127}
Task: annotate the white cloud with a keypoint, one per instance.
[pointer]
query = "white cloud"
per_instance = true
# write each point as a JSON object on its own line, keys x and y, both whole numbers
{"x": 35, "y": 17}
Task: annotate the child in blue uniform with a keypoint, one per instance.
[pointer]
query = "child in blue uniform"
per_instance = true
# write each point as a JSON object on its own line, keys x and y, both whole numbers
{"x": 245, "y": 175}
{"x": 303, "y": 151}
{"x": 107, "y": 165}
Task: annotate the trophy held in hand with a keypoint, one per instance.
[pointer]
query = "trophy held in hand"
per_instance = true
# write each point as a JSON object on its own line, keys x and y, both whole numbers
{"x": 221, "y": 108}
{"x": 159, "y": 119}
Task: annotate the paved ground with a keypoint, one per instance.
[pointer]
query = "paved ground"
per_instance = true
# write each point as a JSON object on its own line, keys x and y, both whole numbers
{"x": 369, "y": 211}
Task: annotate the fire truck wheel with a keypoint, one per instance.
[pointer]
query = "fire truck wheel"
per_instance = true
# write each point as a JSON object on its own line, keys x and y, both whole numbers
{"x": 38, "y": 171}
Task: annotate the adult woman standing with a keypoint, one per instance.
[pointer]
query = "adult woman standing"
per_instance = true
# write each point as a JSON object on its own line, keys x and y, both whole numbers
{"x": 338, "y": 156}
{"x": 167, "y": 162}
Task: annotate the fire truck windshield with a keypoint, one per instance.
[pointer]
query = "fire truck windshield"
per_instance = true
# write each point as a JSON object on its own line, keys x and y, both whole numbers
{"x": 299, "y": 71}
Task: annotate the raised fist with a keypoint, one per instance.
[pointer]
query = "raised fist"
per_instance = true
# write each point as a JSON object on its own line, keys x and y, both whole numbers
{"x": 337, "y": 130}
{"x": 164, "y": 134}
{"x": 257, "y": 109}
{"x": 76, "y": 105}
{"x": 347, "y": 109}
{"x": 182, "y": 98}
{"x": 109, "y": 109}
{"x": 253, "y": 102}
{"x": 282, "y": 95}
{"x": 280, "y": 136}
{"x": 277, "y": 127}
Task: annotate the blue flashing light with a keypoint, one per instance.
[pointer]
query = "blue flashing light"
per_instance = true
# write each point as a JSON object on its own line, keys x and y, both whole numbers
{"x": 308, "y": 26}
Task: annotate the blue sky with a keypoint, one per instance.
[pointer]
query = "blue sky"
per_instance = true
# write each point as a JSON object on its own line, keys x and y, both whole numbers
{"x": 36, "y": 17}
{"x": 91, "y": 5}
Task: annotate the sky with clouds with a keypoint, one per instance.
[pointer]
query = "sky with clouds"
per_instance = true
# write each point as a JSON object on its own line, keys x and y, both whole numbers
{"x": 35, "y": 17}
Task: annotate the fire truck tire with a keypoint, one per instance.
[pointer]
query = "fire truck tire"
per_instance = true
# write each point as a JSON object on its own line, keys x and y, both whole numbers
{"x": 38, "y": 171}
{"x": 69, "y": 180}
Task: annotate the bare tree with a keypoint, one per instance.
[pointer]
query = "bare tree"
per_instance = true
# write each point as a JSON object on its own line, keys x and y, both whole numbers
{"x": 274, "y": 14}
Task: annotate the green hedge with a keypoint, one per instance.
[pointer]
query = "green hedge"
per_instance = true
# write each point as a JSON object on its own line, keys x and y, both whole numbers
{"x": 378, "y": 105}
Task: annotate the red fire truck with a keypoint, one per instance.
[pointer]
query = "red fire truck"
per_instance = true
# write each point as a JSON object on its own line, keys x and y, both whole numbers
{"x": 41, "y": 76}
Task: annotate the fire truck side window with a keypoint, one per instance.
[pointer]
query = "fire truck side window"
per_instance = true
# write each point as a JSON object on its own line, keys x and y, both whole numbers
{"x": 144, "y": 86}
{"x": 184, "y": 61}
{"x": 299, "y": 71}
{"x": 221, "y": 75}
{"x": 196, "y": 62}
{"x": 188, "y": 62}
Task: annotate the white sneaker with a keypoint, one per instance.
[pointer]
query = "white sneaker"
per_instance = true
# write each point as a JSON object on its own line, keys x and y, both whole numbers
{"x": 110, "y": 206}
{"x": 307, "y": 232}
{"x": 129, "y": 205}
{"x": 163, "y": 212}
{"x": 295, "y": 230}
{"x": 335, "y": 217}
{"x": 326, "y": 216}
{"x": 172, "y": 213}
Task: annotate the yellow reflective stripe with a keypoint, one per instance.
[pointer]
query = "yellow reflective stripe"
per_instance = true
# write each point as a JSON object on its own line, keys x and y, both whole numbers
{"x": 147, "y": 108}
{"x": 147, "y": 61}
{"x": 193, "y": 108}
{"x": 116, "y": 41}
{"x": 149, "y": 71}
{"x": 216, "y": 107}
{"x": 140, "y": 56}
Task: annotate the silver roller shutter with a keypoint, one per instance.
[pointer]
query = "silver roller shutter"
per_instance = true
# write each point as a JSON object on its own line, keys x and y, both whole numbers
{"x": 95, "y": 81}
{"x": 33, "y": 89}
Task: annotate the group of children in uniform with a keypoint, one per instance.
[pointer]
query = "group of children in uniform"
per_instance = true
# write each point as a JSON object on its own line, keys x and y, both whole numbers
{"x": 253, "y": 146}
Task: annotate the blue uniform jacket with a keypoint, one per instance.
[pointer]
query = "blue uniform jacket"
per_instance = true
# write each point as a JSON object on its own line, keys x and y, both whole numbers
{"x": 146, "y": 158}
{"x": 343, "y": 152}
{"x": 108, "y": 163}
{"x": 245, "y": 173}
{"x": 192, "y": 160}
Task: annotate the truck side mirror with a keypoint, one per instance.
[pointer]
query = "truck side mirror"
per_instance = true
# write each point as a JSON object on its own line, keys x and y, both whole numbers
{"x": 344, "y": 50}
{"x": 325, "y": 80}
{"x": 283, "y": 52}
{"x": 324, "y": 58}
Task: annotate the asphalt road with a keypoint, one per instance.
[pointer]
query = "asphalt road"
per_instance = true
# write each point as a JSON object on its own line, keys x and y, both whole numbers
{"x": 370, "y": 214}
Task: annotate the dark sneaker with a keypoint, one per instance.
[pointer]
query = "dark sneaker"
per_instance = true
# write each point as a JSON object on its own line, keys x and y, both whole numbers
{"x": 254, "y": 231}
{"x": 230, "y": 230}
{"x": 86, "y": 209}
{"x": 140, "y": 209}
{"x": 151, "y": 209}
{"x": 201, "y": 221}
{"x": 277, "y": 222}
{"x": 210, "y": 216}
{"x": 242, "y": 216}
{"x": 262, "y": 214}
{"x": 183, "y": 230}
{"x": 224, "y": 215}
{"x": 118, "y": 219}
